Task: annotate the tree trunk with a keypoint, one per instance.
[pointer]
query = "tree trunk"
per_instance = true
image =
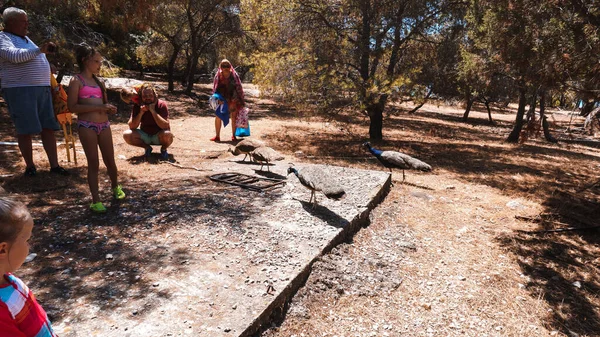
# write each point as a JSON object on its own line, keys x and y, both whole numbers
{"x": 563, "y": 100}
{"x": 186, "y": 72}
{"x": 545, "y": 126}
{"x": 60, "y": 76}
{"x": 487, "y": 106}
{"x": 376, "y": 123}
{"x": 470, "y": 101}
{"x": 421, "y": 105}
{"x": 171, "y": 67}
{"x": 375, "y": 111}
{"x": 531, "y": 111}
{"x": 513, "y": 137}
{"x": 191, "y": 74}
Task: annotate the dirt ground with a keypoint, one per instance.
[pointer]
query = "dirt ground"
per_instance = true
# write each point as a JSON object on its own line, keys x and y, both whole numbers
{"x": 469, "y": 249}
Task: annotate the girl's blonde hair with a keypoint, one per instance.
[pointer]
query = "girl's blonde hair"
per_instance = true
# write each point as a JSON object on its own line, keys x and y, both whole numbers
{"x": 13, "y": 215}
{"x": 128, "y": 92}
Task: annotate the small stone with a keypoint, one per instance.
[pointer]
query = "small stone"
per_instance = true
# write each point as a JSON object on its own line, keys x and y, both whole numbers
{"x": 30, "y": 257}
{"x": 577, "y": 284}
{"x": 514, "y": 204}
{"x": 227, "y": 329}
{"x": 155, "y": 284}
{"x": 109, "y": 256}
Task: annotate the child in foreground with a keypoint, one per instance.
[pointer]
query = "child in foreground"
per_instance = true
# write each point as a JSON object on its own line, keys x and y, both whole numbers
{"x": 20, "y": 313}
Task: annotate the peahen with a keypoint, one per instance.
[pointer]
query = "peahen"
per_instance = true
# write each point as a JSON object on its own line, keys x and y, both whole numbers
{"x": 264, "y": 155}
{"x": 246, "y": 146}
{"x": 317, "y": 180}
{"x": 393, "y": 159}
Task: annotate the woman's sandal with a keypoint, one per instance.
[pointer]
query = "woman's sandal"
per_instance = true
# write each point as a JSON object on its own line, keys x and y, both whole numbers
{"x": 215, "y": 139}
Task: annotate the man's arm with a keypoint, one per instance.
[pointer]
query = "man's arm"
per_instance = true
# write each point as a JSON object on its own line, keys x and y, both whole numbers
{"x": 10, "y": 53}
{"x": 160, "y": 113}
{"x": 136, "y": 116}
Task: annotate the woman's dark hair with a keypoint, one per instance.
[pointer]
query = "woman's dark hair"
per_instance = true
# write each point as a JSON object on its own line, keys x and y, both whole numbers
{"x": 13, "y": 215}
{"x": 82, "y": 54}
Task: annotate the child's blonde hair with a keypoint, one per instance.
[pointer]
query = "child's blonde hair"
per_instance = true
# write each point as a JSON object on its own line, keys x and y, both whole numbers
{"x": 13, "y": 215}
{"x": 127, "y": 93}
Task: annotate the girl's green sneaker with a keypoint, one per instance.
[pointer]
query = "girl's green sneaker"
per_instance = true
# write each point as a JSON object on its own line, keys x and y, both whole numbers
{"x": 118, "y": 192}
{"x": 98, "y": 207}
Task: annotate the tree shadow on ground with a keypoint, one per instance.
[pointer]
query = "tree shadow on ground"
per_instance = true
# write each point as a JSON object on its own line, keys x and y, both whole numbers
{"x": 73, "y": 245}
{"x": 562, "y": 268}
{"x": 558, "y": 174}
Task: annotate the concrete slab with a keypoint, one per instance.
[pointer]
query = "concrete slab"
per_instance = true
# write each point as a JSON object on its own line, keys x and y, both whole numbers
{"x": 241, "y": 265}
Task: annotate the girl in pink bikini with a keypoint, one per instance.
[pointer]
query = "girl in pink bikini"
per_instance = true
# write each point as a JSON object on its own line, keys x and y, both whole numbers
{"x": 87, "y": 98}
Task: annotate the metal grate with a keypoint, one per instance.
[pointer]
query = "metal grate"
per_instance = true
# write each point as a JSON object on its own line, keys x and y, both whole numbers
{"x": 254, "y": 183}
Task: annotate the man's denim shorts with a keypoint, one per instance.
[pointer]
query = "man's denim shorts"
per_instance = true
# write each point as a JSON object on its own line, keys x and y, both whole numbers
{"x": 30, "y": 108}
{"x": 148, "y": 139}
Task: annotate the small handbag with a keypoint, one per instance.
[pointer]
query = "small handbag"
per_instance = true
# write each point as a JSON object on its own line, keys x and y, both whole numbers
{"x": 243, "y": 132}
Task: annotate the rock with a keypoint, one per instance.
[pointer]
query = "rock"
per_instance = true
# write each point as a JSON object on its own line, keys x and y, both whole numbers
{"x": 30, "y": 257}
{"x": 515, "y": 204}
{"x": 422, "y": 195}
{"x": 577, "y": 284}
{"x": 109, "y": 256}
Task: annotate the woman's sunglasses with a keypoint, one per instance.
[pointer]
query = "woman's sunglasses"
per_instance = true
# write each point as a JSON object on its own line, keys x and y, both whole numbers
{"x": 225, "y": 66}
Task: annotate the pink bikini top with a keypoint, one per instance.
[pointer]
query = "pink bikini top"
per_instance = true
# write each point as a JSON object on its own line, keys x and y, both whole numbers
{"x": 88, "y": 91}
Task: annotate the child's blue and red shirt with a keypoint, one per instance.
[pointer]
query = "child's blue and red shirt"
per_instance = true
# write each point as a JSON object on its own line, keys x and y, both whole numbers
{"x": 20, "y": 313}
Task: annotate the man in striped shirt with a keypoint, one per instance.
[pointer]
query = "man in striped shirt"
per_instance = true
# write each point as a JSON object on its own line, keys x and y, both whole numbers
{"x": 25, "y": 76}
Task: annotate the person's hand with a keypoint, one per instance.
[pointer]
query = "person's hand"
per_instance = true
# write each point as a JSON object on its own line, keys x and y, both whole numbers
{"x": 48, "y": 48}
{"x": 152, "y": 108}
{"x": 143, "y": 108}
{"x": 110, "y": 109}
{"x": 219, "y": 102}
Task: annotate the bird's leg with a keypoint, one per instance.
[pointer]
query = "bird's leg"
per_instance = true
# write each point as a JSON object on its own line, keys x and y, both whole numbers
{"x": 245, "y": 155}
{"x": 261, "y": 165}
{"x": 312, "y": 193}
{"x": 314, "y": 201}
{"x": 403, "y": 176}
{"x": 268, "y": 167}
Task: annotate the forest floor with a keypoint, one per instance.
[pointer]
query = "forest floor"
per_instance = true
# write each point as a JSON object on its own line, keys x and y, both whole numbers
{"x": 499, "y": 240}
